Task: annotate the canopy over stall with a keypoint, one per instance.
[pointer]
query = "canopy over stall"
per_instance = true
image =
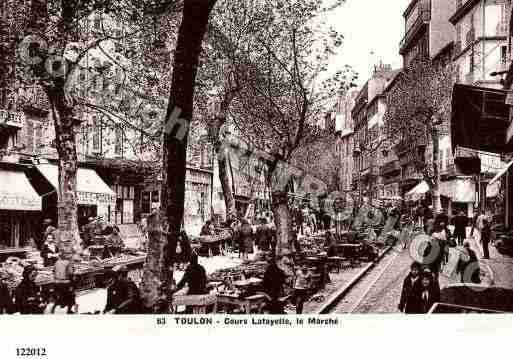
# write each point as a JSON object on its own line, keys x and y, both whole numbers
{"x": 480, "y": 119}
{"x": 417, "y": 192}
{"x": 493, "y": 187}
{"x": 91, "y": 190}
{"x": 16, "y": 192}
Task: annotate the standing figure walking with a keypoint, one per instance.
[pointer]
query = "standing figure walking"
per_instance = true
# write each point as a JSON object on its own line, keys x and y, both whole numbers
{"x": 486, "y": 234}
{"x": 480, "y": 223}
{"x": 410, "y": 294}
{"x": 460, "y": 227}
{"x": 429, "y": 292}
{"x": 468, "y": 265}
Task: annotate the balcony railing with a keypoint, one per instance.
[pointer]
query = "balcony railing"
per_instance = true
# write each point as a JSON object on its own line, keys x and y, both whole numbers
{"x": 423, "y": 16}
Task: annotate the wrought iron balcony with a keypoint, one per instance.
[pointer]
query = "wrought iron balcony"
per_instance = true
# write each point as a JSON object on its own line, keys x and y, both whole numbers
{"x": 421, "y": 17}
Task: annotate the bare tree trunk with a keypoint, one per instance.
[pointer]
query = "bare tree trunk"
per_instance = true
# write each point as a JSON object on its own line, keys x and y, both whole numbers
{"x": 229, "y": 199}
{"x": 64, "y": 122}
{"x": 222, "y": 162}
{"x": 282, "y": 220}
{"x": 195, "y": 18}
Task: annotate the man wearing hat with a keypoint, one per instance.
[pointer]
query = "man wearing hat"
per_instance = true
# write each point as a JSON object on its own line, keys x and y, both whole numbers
{"x": 122, "y": 294}
{"x": 410, "y": 294}
{"x": 429, "y": 291}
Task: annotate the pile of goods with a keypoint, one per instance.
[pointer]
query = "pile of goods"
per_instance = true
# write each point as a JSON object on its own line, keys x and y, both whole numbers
{"x": 11, "y": 271}
{"x": 312, "y": 245}
{"x": 122, "y": 259}
{"x": 248, "y": 270}
{"x": 503, "y": 239}
{"x": 225, "y": 233}
{"x": 34, "y": 257}
{"x": 44, "y": 275}
{"x": 85, "y": 267}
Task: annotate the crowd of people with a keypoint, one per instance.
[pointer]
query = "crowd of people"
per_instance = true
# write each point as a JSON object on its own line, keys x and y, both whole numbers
{"x": 421, "y": 287}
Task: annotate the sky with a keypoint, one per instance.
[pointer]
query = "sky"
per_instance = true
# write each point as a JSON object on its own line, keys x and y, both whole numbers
{"x": 372, "y": 31}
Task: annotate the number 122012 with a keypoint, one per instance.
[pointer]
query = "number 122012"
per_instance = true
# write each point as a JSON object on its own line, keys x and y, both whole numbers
{"x": 30, "y": 352}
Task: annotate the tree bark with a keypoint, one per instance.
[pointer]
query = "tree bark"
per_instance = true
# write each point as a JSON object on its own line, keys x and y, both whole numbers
{"x": 223, "y": 154}
{"x": 64, "y": 122}
{"x": 229, "y": 199}
{"x": 195, "y": 18}
{"x": 282, "y": 221}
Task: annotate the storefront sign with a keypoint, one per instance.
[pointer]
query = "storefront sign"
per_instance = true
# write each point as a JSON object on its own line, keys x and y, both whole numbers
{"x": 95, "y": 198}
{"x": 11, "y": 201}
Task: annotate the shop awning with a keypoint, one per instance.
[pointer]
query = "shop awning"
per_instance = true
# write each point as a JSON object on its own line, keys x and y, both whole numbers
{"x": 460, "y": 190}
{"x": 501, "y": 173}
{"x": 16, "y": 192}
{"x": 493, "y": 187}
{"x": 480, "y": 119}
{"x": 416, "y": 193}
{"x": 91, "y": 190}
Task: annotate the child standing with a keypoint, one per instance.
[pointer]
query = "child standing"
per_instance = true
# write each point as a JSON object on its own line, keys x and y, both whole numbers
{"x": 64, "y": 289}
{"x": 301, "y": 285}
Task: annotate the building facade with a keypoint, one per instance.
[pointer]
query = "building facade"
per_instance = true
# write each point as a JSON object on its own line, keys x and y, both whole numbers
{"x": 427, "y": 29}
{"x": 481, "y": 40}
{"x": 344, "y": 128}
{"x": 367, "y": 115}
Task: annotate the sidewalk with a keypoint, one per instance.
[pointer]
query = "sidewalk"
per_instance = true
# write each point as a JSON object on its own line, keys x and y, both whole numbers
{"x": 500, "y": 265}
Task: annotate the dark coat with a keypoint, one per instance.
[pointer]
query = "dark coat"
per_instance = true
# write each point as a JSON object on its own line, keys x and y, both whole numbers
{"x": 263, "y": 237}
{"x": 434, "y": 258}
{"x": 433, "y": 297}
{"x": 245, "y": 238}
{"x": 463, "y": 264}
{"x": 27, "y": 298}
{"x": 486, "y": 234}
{"x": 410, "y": 296}
{"x": 460, "y": 226}
{"x": 185, "y": 255}
{"x": 196, "y": 278}
{"x": 442, "y": 217}
{"x": 6, "y": 304}
{"x": 274, "y": 280}
{"x": 124, "y": 293}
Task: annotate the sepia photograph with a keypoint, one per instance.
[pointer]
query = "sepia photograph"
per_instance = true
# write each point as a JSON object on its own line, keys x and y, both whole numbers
{"x": 255, "y": 159}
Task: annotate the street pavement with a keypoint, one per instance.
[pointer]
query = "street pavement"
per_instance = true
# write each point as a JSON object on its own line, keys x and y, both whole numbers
{"x": 380, "y": 290}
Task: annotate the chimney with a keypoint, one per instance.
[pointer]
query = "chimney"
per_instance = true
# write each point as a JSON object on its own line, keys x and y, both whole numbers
{"x": 382, "y": 69}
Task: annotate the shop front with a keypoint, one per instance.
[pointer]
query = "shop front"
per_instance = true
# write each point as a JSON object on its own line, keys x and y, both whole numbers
{"x": 94, "y": 197}
{"x": 460, "y": 194}
{"x": 20, "y": 211}
{"x": 499, "y": 191}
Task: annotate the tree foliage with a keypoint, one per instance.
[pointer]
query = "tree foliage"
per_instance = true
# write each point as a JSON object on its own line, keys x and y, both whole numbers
{"x": 418, "y": 110}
